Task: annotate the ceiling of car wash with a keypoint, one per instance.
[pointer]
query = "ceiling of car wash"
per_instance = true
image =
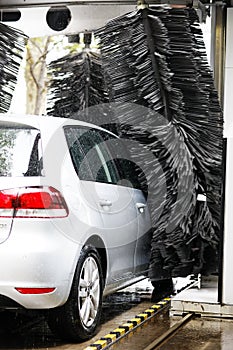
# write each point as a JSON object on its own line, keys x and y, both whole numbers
{"x": 84, "y": 15}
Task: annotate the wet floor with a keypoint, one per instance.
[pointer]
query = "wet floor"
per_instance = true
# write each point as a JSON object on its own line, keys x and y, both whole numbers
{"x": 203, "y": 334}
{"x": 32, "y": 332}
{"x": 198, "y": 334}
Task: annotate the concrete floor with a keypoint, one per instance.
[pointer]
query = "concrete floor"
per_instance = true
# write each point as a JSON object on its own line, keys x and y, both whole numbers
{"x": 213, "y": 330}
{"x": 201, "y": 333}
{"x": 198, "y": 334}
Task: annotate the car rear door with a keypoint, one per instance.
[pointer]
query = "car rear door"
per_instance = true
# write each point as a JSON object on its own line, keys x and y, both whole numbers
{"x": 134, "y": 216}
{"x": 132, "y": 177}
{"x": 98, "y": 173}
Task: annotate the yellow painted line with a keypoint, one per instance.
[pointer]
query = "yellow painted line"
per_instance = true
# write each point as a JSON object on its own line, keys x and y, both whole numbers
{"x": 119, "y": 330}
{"x": 127, "y": 327}
{"x": 150, "y": 310}
{"x": 136, "y": 320}
{"x": 145, "y": 316}
{"x": 110, "y": 336}
{"x": 99, "y": 344}
{"x": 156, "y": 306}
{"x": 128, "y": 324}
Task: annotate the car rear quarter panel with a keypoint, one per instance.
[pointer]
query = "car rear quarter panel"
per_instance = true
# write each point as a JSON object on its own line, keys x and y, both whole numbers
{"x": 37, "y": 254}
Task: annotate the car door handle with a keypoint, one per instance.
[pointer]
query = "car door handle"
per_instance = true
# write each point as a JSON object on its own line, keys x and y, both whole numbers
{"x": 105, "y": 203}
{"x": 141, "y": 207}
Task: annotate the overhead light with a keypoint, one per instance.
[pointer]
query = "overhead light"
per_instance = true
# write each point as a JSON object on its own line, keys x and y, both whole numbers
{"x": 58, "y": 17}
{"x": 10, "y": 16}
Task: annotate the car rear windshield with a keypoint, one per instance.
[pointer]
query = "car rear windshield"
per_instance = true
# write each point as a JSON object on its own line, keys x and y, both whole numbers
{"x": 20, "y": 151}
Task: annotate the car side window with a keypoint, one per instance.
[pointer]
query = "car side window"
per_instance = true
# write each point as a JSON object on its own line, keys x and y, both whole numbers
{"x": 131, "y": 175}
{"x": 90, "y": 155}
{"x": 20, "y": 151}
{"x": 80, "y": 163}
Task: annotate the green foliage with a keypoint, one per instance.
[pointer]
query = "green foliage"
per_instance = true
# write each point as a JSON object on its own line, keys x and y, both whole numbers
{"x": 7, "y": 139}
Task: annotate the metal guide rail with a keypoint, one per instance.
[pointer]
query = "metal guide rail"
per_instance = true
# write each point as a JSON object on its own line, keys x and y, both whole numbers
{"x": 123, "y": 330}
{"x": 131, "y": 325}
{"x": 165, "y": 337}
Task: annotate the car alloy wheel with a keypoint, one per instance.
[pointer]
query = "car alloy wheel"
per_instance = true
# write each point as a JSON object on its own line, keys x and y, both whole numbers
{"x": 78, "y": 319}
{"x": 89, "y": 291}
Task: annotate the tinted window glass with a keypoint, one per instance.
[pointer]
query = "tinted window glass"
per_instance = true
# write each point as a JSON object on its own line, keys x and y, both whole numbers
{"x": 131, "y": 175}
{"x": 90, "y": 155}
{"x": 20, "y": 152}
{"x": 78, "y": 158}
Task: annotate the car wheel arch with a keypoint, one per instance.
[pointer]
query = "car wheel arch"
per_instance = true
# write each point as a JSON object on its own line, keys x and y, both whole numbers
{"x": 97, "y": 242}
{"x": 73, "y": 321}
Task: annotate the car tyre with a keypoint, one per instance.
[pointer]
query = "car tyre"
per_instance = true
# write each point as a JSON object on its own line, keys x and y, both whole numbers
{"x": 78, "y": 319}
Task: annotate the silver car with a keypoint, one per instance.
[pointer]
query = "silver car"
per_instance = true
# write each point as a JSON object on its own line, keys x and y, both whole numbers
{"x": 74, "y": 223}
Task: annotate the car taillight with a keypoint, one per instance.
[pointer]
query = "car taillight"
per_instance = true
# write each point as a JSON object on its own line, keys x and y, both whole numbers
{"x": 35, "y": 290}
{"x": 28, "y": 202}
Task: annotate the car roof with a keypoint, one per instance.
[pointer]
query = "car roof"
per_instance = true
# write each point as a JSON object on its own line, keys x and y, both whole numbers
{"x": 38, "y": 121}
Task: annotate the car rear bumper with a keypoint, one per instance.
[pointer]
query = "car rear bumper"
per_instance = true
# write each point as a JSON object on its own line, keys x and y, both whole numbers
{"x": 37, "y": 255}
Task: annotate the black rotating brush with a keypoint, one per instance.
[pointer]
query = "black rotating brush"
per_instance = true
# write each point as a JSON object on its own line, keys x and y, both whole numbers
{"x": 12, "y": 44}
{"x": 152, "y": 85}
{"x": 76, "y": 83}
{"x": 156, "y": 58}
